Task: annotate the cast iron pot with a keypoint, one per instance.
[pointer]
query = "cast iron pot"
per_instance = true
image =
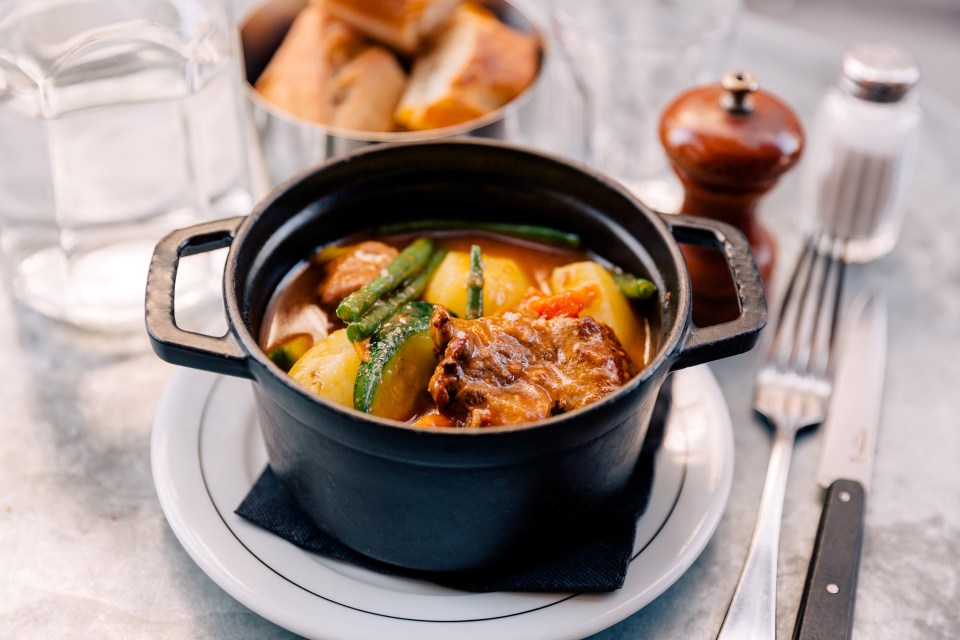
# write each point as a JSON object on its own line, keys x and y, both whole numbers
{"x": 444, "y": 499}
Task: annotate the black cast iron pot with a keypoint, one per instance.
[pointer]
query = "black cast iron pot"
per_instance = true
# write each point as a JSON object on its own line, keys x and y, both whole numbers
{"x": 446, "y": 499}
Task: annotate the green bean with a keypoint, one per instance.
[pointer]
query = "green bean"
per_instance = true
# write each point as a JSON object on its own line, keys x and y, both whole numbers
{"x": 382, "y": 310}
{"x": 534, "y": 233}
{"x": 475, "y": 284}
{"x": 636, "y": 288}
{"x": 408, "y": 263}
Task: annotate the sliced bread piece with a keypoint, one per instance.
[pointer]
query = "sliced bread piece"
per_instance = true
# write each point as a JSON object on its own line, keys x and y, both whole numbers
{"x": 298, "y": 76}
{"x": 365, "y": 93}
{"x": 477, "y": 65}
{"x": 402, "y": 24}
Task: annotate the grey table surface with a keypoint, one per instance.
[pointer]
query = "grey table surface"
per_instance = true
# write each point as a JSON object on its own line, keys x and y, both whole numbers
{"x": 85, "y": 551}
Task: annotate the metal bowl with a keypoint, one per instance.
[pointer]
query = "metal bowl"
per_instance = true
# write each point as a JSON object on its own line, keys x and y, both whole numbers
{"x": 291, "y": 144}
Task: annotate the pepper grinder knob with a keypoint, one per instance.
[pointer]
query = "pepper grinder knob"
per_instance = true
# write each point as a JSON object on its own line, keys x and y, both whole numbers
{"x": 729, "y": 143}
{"x": 739, "y": 85}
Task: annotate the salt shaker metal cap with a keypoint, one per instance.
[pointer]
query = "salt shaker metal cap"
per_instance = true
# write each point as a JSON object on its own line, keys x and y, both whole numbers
{"x": 879, "y": 72}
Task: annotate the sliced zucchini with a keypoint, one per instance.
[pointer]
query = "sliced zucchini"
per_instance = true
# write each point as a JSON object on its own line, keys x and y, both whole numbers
{"x": 285, "y": 354}
{"x": 402, "y": 359}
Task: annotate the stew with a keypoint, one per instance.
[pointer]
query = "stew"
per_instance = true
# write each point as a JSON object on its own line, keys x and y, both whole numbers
{"x": 468, "y": 325}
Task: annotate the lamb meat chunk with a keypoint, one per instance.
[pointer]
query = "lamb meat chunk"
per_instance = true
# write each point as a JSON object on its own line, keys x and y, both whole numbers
{"x": 593, "y": 361}
{"x": 519, "y": 367}
{"x": 353, "y": 270}
{"x": 487, "y": 373}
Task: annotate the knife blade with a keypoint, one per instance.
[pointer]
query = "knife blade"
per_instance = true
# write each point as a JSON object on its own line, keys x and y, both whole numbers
{"x": 845, "y": 471}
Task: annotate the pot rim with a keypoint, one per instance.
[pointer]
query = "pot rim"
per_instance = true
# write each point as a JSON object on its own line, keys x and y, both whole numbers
{"x": 669, "y": 344}
{"x": 520, "y": 6}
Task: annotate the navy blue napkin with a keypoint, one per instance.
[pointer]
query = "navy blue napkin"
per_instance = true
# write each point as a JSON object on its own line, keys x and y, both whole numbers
{"x": 596, "y": 564}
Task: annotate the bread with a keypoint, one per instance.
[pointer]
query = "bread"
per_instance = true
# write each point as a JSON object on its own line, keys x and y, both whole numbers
{"x": 477, "y": 65}
{"x": 365, "y": 93}
{"x": 326, "y": 72}
{"x": 401, "y": 24}
{"x": 298, "y": 74}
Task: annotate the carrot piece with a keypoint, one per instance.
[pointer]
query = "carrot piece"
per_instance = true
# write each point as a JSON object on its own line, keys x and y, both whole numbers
{"x": 363, "y": 349}
{"x": 433, "y": 420}
{"x": 567, "y": 304}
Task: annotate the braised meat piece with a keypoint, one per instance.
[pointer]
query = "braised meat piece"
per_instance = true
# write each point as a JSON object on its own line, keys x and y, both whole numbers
{"x": 519, "y": 367}
{"x": 353, "y": 270}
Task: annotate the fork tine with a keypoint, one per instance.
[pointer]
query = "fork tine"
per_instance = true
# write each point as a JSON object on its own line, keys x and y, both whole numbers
{"x": 808, "y": 310}
{"x": 789, "y": 314}
{"x": 806, "y": 329}
{"x": 814, "y": 346}
{"x": 827, "y": 356}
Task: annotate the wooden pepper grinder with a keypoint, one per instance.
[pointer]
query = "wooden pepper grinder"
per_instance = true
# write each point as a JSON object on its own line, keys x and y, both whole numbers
{"x": 729, "y": 143}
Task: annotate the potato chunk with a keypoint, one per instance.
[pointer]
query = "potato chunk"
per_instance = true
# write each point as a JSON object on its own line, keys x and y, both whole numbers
{"x": 329, "y": 368}
{"x": 610, "y": 306}
{"x": 504, "y": 284}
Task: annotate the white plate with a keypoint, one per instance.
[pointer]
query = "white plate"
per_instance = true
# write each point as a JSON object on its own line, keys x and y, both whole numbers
{"x": 207, "y": 453}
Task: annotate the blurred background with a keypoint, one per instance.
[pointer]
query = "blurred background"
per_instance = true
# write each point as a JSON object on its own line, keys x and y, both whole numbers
{"x": 928, "y": 29}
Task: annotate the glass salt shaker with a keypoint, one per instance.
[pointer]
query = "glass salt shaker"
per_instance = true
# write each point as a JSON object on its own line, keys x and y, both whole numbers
{"x": 861, "y": 151}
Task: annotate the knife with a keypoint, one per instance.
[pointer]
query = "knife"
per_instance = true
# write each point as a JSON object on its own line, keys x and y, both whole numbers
{"x": 845, "y": 470}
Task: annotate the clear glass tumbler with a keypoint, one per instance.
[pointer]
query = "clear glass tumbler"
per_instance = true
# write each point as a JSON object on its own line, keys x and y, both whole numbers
{"x": 632, "y": 57}
{"x": 120, "y": 120}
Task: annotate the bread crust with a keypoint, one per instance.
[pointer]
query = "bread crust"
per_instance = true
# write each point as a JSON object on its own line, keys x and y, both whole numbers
{"x": 477, "y": 65}
{"x": 404, "y": 25}
{"x": 326, "y": 72}
{"x": 366, "y": 92}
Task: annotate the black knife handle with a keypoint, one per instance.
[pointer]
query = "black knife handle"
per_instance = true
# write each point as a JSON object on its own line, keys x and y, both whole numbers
{"x": 826, "y": 609}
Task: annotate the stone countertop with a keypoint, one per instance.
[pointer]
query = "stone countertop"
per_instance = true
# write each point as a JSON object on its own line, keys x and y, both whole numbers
{"x": 87, "y": 553}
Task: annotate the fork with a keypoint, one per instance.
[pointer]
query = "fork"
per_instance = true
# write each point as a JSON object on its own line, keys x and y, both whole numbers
{"x": 792, "y": 390}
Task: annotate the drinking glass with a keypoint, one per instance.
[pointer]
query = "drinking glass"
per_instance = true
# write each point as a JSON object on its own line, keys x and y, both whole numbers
{"x": 631, "y": 58}
{"x": 120, "y": 120}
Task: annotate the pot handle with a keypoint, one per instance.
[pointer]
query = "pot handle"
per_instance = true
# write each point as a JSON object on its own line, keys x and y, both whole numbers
{"x": 705, "y": 344}
{"x": 170, "y": 342}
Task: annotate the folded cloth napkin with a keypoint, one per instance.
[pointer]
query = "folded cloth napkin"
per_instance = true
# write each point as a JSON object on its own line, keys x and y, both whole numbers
{"x": 598, "y": 563}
